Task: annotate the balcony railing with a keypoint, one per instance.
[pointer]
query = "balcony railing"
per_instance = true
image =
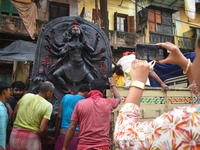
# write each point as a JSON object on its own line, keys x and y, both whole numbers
{"x": 14, "y": 25}
{"x": 125, "y": 39}
{"x": 160, "y": 38}
{"x": 185, "y": 43}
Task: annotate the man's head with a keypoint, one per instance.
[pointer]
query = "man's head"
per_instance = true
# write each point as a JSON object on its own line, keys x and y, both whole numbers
{"x": 46, "y": 90}
{"x": 5, "y": 90}
{"x": 83, "y": 90}
{"x": 98, "y": 84}
{"x": 18, "y": 89}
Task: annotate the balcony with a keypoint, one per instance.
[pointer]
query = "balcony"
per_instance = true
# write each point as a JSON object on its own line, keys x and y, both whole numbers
{"x": 184, "y": 43}
{"x": 125, "y": 39}
{"x": 14, "y": 25}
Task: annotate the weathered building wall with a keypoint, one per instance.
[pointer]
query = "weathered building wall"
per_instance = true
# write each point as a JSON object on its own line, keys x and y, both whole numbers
{"x": 125, "y": 39}
{"x": 123, "y": 7}
{"x": 14, "y": 25}
{"x": 184, "y": 27}
{"x": 184, "y": 34}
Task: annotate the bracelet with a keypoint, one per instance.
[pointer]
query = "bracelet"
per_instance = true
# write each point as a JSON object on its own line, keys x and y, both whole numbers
{"x": 188, "y": 65}
{"x": 112, "y": 85}
{"x": 137, "y": 84}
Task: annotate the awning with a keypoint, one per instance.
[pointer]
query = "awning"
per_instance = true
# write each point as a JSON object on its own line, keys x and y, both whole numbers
{"x": 19, "y": 51}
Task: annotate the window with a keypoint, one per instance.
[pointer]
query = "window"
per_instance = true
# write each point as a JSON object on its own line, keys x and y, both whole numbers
{"x": 159, "y": 21}
{"x": 58, "y": 10}
{"x": 7, "y": 8}
{"x": 121, "y": 23}
{"x": 124, "y": 23}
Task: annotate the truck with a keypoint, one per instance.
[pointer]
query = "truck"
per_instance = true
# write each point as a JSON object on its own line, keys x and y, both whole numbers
{"x": 155, "y": 101}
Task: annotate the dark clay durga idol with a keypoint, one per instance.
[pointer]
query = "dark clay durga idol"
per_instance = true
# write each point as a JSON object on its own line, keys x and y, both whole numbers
{"x": 71, "y": 51}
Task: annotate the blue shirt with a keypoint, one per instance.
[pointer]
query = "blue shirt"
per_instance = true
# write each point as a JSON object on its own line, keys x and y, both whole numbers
{"x": 68, "y": 103}
{"x": 3, "y": 124}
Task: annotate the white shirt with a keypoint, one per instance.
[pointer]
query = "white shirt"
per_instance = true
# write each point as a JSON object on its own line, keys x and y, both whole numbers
{"x": 125, "y": 62}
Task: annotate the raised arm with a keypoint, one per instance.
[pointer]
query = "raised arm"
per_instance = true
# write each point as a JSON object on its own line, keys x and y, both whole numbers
{"x": 115, "y": 91}
{"x": 139, "y": 72}
{"x": 195, "y": 67}
{"x": 126, "y": 129}
{"x": 176, "y": 57}
{"x": 157, "y": 78}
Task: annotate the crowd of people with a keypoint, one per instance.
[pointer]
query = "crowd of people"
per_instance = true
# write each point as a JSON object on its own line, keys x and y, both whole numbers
{"x": 83, "y": 120}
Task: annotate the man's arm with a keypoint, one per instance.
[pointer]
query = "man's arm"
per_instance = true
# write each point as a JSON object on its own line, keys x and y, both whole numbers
{"x": 157, "y": 78}
{"x": 57, "y": 125}
{"x": 43, "y": 131}
{"x": 70, "y": 133}
{"x": 115, "y": 91}
{"x": 13, "y": 116}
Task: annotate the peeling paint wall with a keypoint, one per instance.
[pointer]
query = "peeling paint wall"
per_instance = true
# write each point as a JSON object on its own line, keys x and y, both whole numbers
{"x": 11, "y": 24}
{"x": 43, "y": 10}
{"x": 178, "y": 24}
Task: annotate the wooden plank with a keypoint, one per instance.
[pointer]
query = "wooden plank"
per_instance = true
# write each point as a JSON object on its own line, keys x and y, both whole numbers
{"x": 131, "y": 25}
{"x": 152, "y": 26}
{"x": 151, "y": 15}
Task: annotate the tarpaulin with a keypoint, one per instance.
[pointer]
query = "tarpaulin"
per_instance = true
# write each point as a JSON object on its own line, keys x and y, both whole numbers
{"x": 168, "y": 71}
{"x": 19, "y": 51}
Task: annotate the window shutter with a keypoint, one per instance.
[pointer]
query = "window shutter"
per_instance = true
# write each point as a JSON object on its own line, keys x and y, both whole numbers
{"x": 93, "y": 14}
{"x": 131, "y": 26}
{"x": 152, "y": 26}
{"x": 151, "y": 15}
{"x": 6, "y": 7}
{"x": 158, "y": 17}
{"x": 58, "y": 10}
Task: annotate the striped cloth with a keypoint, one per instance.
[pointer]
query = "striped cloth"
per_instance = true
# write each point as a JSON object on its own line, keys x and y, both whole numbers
{"x": 24, "y": 139}
{"x": 101, "y": 148}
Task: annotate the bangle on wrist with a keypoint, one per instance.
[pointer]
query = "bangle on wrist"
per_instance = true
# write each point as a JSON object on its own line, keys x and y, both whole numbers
{"x": 137, "y": 84}
{"x": 112, "y": 85}
{"x": 187, "y": 68}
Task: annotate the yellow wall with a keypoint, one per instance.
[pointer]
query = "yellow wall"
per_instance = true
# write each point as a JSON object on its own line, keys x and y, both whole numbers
{"x": 186, "y": 27}
{"x": 127, "y": 8}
